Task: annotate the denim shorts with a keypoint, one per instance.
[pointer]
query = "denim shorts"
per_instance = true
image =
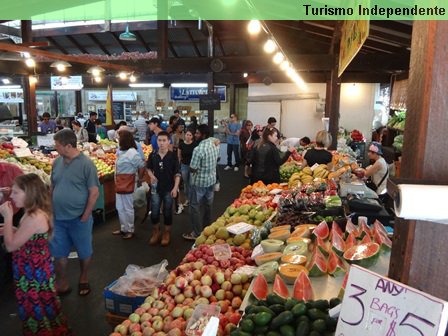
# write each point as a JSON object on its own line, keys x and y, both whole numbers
{"x": 72, "y": 233}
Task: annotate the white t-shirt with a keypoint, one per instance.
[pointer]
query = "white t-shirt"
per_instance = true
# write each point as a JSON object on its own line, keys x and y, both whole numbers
{"x": 381, "y": 168}
{"x": 290, "y": 142}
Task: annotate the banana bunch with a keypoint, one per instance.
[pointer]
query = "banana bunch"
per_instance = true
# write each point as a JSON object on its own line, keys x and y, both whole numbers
{"x": 295, "y": 181}
{"x": 321, "y": 171}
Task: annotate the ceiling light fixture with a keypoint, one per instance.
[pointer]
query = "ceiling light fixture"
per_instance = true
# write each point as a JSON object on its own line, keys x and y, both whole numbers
{"x": 270, "y": 46}
{"x": 284, "y": 65}
{"x": 245, "y": 75}
{"x": 127, "y": 35}
{"x": 254, "y": 27}
{"x": 30, "y": 63}
{"x": 9, "y": 87}
{"x": 60, "y": 65}
{"x": 132, "y": 78}
{"x": 33, "y": 80}
{"x": 278, "y": 58}
{"x": 194, "y": 85}
{"x": 146, "y": 85}
{"x": 95, "y": 70}
{"x": 98, "y": 79}
{"x": 6, "y": 81}
{"x": 123, "y": 75}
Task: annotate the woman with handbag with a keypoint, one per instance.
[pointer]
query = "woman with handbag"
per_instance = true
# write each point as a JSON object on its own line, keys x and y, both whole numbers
{"x": 378, "y": 172}
{"x": 245, "y": 137}
{"x": 128, "y": 163}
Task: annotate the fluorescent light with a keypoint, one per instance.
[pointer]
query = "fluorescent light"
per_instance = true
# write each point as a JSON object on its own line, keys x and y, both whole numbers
{"x": 30, "y": 63}
{"x": 195, "y": 85}
{"x": 245, "y": 75}
{"x": 3, "y": 87}
{"x": 254, "y": 27}
{"x": 6, "y": 81}
{"x": 278, "y": 58}
{"x": 146, "y": 85}
{"x": 270, "y": 46}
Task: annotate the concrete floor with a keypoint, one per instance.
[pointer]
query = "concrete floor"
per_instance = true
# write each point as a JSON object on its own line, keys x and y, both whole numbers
{"x": 86, "y": 315}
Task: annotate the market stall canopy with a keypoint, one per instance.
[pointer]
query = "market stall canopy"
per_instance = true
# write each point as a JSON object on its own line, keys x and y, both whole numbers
{"x": 307, "y": 44}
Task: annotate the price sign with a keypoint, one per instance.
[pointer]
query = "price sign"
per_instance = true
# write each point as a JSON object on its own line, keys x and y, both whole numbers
{"x": 376, "y": 305}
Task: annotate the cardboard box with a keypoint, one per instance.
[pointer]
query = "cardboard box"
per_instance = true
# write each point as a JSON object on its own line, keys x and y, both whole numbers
{"x": 120, "y": 304}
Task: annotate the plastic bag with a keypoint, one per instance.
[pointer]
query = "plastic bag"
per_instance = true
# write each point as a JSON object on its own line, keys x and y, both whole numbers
{"x": 139, "y": 281}
{"x": 139, "y": 195}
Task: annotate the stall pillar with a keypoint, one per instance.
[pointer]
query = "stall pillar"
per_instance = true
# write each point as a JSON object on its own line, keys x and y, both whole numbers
{"x": 420, "y": 253}
{"x": 78, "y": 101}
{"x": 162, "y": 29}
{"x": 29, "y": 98}
{"x": 211, "y": 113}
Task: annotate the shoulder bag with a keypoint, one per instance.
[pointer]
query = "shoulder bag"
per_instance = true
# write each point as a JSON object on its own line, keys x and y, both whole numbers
{"x": 370, "y": 184}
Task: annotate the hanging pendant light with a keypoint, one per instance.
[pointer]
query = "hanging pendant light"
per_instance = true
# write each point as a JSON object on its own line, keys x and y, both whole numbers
{"x": 96, "y": 70}
{"x": 127, "y": 35}
{"x": 60, "y": 65}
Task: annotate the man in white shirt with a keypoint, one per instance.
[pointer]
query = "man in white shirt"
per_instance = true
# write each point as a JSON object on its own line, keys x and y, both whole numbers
{"x": 141, "y": 126}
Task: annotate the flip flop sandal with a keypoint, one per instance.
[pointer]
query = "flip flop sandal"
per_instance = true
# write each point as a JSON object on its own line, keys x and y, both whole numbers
{"x": 83, "y": 289}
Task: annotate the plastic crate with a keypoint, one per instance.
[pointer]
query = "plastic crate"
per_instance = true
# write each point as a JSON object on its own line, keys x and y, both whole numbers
{"x": 120, "y": 304}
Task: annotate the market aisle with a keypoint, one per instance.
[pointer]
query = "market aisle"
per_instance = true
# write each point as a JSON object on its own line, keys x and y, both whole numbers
{"x": 112, "y": 255}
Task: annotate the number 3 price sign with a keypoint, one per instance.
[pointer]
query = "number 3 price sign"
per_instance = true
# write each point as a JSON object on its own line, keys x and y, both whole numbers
{"x": 374, "y": 305}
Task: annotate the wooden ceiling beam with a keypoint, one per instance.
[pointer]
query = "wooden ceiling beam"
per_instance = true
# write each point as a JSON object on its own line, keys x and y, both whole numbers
{"x": 195, "y": 47}
{"x": 77, "y": 44}
{"x": 98, "y": 44}
{"x": 119, "y": 42}
{"x": 142, "y": 41}
{"x": 172, "y": 50}
{"x": 68, "y": 58}
{"x": 57, "y": 45}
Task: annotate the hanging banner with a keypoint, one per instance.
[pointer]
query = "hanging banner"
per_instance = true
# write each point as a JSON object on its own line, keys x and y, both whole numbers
{"x": 119, "y": 96}
{"x": 11, "y": 96}
{"x": 59, "y": 83}
{"x": 354, "y": 34}
{"x": 193, "y": 93}
{"x": 374, "y": 305}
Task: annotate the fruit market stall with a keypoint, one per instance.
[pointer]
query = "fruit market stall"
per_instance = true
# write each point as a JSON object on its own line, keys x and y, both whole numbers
{"x": 272, "y": 264}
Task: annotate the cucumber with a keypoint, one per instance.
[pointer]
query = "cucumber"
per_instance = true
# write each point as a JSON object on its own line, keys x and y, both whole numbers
{"x": 287, "y": 330}
{"x": 247, "y": 325}
{"x": 277, "y": 308}
{"x": 315, "y": 314}
{"x": 291, "y": 302}
{"x": 273, "y": 298}
{"x": 260, "y": 309}
{"x": 319, "y": 325}
{"x": 262, "y": 318}
{"x": 249, "y": 309}
{"x": 331, "y": 323}
{"x": 303, "y": 329}
{"x": 261, "y": 330}
{"x": 283, "y": 318}
{"x": 334, "y": 302}
{"x": 299, "y": 309}
{"x": 321, "y": 304}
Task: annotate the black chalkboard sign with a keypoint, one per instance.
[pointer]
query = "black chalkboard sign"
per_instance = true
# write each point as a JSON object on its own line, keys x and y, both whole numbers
{"x": 118, "y": 109}
{"x": 209, "y": 102}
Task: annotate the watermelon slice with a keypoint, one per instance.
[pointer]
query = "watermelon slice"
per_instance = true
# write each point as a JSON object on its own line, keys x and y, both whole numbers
{"x": 364, "y": 255}
{"x": 335, "y": 265}
{"x": 382, "y": 240}
{"x": 364, "y": 229}
{"x": 260, "y": 287}
{"x": 321, "y": 230}
{"x": 350, "y": 241}
{"x": 317, "y": 265}
{"x": 338, "y": 244}
{"x": 380, "y": 227}
{"x": 280, "y": 287}
{"x": 344, "y": 284}
{"x": 322, "y": 246}
{"x": 335, "y": 228}
{"x": 351, "y": 228}
{"x": 366, "y": 239}
{"x": 302, "y": 288}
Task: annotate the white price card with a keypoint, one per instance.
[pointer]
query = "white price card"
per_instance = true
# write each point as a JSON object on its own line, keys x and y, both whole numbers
{"x": 246, "y": 269}
{"x": 374, "y": 305}
{"x": 275, "y": 191}
{"x": 22, "y": 152}
{"x": 240, "y": 228}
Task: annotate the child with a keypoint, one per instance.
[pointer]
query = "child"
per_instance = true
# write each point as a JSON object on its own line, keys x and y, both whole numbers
{"x": 39, "y": 305}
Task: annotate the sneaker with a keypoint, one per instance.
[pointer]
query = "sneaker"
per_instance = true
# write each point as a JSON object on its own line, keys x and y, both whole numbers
{"x": 180, "y": 209}
{"x": 187, "y": 203}
{"x": 236, "y": 169}
{"x": 128, "y": 235}
{"x": 227, "y": 168}
{"x": 189, "y": 236}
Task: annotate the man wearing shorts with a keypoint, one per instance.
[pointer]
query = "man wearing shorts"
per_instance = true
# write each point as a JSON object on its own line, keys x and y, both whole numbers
{"x": 74, "y": 183}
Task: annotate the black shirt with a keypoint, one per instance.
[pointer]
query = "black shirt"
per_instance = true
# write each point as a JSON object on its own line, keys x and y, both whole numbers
{"x": 164, "y": 170}
{"x": 319, "y": 156}
{"x": 91, "y": 130}
{"x": 266, "y": 163}
{"x": 187, "y": 151}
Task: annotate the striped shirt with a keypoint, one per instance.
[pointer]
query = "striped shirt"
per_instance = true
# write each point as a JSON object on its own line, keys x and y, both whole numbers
{"x": 204, "y": 160}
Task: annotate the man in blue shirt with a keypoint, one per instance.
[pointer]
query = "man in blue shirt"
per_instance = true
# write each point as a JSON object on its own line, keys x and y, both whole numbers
{"x": 233, "y": 142}
{"x": 47, "y": 125}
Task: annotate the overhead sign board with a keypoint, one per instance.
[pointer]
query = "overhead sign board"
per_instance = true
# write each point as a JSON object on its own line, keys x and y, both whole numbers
{"x": 354, "y": 34}
{"x": 374, "y": 305}
{"x": 119, "y": 96}
{"x": 59, "y": 83}
{"x": 11, "y": 96}
{"x": 193, "y": 93}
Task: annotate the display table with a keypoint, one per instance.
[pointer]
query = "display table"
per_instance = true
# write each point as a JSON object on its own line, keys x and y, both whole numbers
{"x": 106, "y": 198}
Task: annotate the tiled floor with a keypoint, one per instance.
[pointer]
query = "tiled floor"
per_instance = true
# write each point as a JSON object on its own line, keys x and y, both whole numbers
{"x": 86, "y": 315}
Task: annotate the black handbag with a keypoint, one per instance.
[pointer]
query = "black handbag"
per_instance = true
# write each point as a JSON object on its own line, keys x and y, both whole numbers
{"x": 371, "y": 185}
{"x": 357, "y": 203}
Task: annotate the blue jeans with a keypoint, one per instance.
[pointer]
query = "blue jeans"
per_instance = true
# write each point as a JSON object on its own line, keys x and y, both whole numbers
{"x": 236, "y": 150}
{"x": 200, "y": 207}
{"x": 185, "y": 172}
{"x": 156, "y": 201}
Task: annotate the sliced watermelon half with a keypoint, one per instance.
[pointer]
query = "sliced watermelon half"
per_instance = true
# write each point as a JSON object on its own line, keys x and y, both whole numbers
{"x": 335, "y": 228}
{"x": 317, "y": 265}
{"x": 382, "y": 240}
{"x": 335, "y": 265}
{"x": 338, "y": 244}
{"x": 364, "y": 230}
{"x": 321, "y": 230}
{"x": 350, "y": 241}
{"x": 280, "y": 287}
{"x": 351, "y": 228}
{"x": 379, "y": 227}
{"x": 364, "y": 255}
{"x": 322, "y": 246}
{"x": 302, "y": 288}
{"x": 260, "y": 287}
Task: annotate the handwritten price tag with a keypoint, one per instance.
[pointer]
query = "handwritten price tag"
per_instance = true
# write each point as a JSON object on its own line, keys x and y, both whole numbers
{"x": 374, "y": 305}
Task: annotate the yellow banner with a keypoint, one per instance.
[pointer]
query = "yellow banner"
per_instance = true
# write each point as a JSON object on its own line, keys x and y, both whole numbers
{"x": 109, "y": 112}
{"x": 354, "y": 34}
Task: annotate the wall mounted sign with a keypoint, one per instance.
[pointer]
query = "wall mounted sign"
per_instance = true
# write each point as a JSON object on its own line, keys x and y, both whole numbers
{"x": 374, "y": 305}
{"x": 58, "y": 83}
{"x": 193, "y": 93}
{"x": 119, "y": 96}
{"x": 11, "y": 96}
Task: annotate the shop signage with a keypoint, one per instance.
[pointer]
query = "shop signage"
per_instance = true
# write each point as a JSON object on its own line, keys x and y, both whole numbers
{"x": 354, "y": 34}
{"x": 374, "y": 305}
{"x": 58, "y": 83}
{"x": 118, "y": 96}
{"x": 193, "y": 93}
{"x": 11, "y": 96}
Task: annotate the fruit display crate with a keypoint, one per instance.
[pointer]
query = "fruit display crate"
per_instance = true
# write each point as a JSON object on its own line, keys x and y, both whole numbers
{"x": 326, "y": 286}
{"x": 119, "y": 304}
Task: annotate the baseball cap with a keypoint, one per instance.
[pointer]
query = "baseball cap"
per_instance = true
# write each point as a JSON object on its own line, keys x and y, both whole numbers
{"x": 258, "y": 128}
{"x": 376, "y": 147}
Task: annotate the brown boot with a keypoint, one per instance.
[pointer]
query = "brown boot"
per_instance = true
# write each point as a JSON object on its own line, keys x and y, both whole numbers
{"x": 165, "y": 237}
{"x": 155, "y": 235}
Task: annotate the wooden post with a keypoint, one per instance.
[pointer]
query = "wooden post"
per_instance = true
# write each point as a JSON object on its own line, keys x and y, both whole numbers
{"x": 78, "y": 102}
{"x": 162, "y": 29}
{"x": 232, "y": 101}
{"x": 420, "y": 253}
{"x": 211, "y": 113}
{"x": 56, "y": 103}
{"x": 29, "y": 98}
